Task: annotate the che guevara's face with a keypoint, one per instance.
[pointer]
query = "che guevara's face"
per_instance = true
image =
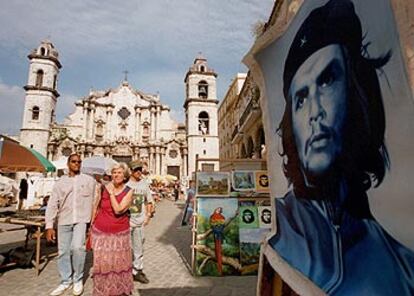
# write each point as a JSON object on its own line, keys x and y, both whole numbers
{"x": 318, "y": 95}
{"x": 266, "y": 216}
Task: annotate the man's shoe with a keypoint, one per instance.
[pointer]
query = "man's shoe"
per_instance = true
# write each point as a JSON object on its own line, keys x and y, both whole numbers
{"x": 60, "y": 289}
{"x": 141, "y": 277}
{"x": 78, "y": 288}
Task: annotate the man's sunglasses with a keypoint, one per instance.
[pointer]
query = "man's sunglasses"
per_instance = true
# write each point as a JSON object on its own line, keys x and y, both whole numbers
{"x": 76, "y": 161}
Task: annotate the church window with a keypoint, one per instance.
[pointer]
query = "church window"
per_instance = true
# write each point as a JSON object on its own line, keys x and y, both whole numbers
{"x": 173, "y": 154}
{"x": 204, "y": 152}
{"x": 124, "y": 113}
{"x": 99, "y": 132}
{"x": 39, "y": 78}
{"x": 35, "y": 113}
{"x": 54, "y": 81}
{"x": 203, "y": 123}
{"x": 204, "y": 140}
{"x": 99, "y": 129}
{"x": 203, "y": 89}
{"x": 202, "y": 68}
{"x": 66, "y": 151}
{"x": 207, "y": 167}
{"x": 31, "y": 145}
{"x": 145, "y": 132}
{"x": 42, "y": 51}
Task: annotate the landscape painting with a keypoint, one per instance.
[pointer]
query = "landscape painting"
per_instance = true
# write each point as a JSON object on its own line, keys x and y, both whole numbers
{"x": 213, "y": 184}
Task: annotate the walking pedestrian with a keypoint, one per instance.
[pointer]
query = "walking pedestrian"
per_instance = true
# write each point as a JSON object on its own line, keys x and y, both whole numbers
{"x": 141, "y": 212}
{"x": 23, "y": 192}
{"x": 70, "y": 207}
{"x": 111, "y": 242}
{"x": 189, "y": 204}
{"x": 176, "y": 190}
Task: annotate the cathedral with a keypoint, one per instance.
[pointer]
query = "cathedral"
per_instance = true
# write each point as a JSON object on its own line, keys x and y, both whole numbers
{"x": 122, "y": 123}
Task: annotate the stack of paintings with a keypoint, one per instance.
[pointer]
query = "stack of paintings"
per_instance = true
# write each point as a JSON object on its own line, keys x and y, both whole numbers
{"x": 229, "y": 234}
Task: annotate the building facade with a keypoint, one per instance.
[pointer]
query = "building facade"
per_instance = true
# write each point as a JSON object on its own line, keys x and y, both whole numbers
{"x": 122, "y": 123}
{"x": 228, "y": 118}
{"x": 240, "y": 119}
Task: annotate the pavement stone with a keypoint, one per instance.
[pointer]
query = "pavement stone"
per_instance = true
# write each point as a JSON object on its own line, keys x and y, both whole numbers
{"x": 166, "y": 264}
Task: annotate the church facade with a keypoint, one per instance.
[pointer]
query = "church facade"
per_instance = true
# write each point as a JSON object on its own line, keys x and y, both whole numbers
{"x": 122, "y": 123}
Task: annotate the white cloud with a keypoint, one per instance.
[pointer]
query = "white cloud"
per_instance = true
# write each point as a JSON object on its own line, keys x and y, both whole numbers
{"x": 156, "y": 41}
{"x": 11, "y": 110}
{"x": 177, "y": 115}
{"x": 65, "y": 106}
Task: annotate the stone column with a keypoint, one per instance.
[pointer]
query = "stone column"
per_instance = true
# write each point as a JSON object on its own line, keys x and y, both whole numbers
{"x": 108, "y": 124}
{"x": 185, "y": 160}
{"x": 157, "y": 160}
{"x": 150, "y": 160}
{"x": 162, "y": 156}
{"x": 93, "y": 112}
{"x": 137, "y": 123}
{"x": 157, "y": 122}
{"x": 90, "y": 122}
{"x": 152, "y": 115}
{"x": 85, "y": 120}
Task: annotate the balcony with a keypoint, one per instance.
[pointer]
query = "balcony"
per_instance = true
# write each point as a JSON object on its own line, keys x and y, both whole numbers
{"x": 235, "y": 131}
{"x": 250, "y": 114}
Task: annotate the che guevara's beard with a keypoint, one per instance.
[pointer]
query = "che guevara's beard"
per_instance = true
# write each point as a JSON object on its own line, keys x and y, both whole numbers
{"x": 325, "y": 185}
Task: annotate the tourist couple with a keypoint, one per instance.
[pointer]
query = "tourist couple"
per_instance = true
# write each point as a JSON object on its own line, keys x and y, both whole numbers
{"x": 117, "y": 212}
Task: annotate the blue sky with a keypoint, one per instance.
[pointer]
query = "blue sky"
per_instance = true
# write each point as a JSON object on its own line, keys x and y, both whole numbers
{"x": 155, "y": 40}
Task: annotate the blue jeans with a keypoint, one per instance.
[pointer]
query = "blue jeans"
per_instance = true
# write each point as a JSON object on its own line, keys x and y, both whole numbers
{"x": 71, "y": 245}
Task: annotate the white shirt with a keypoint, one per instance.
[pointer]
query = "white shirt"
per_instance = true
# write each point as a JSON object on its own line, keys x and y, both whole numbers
{"x": 141, "y": 195}
{"x": 71, "y": 200}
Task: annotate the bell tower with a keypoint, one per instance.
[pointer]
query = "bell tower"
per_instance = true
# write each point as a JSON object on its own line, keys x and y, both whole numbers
{"x": 201, "y": 107}
{"x": 41, "y": 97}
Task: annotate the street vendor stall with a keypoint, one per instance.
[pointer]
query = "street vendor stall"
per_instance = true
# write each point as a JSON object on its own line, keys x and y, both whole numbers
{"x": 34, "y": 224}
{"x": 232, "y": 218}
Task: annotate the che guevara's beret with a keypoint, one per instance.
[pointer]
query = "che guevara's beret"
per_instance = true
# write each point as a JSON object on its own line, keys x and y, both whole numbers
{"x": 333, "y": 23}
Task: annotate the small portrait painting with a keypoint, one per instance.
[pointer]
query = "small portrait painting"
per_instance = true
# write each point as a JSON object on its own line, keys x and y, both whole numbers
{"x": 262, "y": 181}
{"x": 265, "y": 217}
{"x": 248, "y": 217}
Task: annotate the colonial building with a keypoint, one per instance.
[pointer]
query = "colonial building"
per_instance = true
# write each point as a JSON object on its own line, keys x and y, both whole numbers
{"x": 228, "y": 118}
{"x": 123, "y": 123}
{"x": 201, "y": 116}
{"x": 240, "y": 120}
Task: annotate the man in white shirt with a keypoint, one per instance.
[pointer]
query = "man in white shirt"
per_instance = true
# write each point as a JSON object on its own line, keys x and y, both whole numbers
{"x": 70, "y": 205}
{"x": 140, "y": 210}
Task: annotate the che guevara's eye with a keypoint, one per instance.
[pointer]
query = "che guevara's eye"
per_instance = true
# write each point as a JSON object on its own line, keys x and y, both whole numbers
{"x": 327, "y": 79}
{"x": 300, "y": 98}
{"x": 329, "y": 75}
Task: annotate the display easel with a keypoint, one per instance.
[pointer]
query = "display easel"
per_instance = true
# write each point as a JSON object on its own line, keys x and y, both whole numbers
{"x": 227, "y": 165}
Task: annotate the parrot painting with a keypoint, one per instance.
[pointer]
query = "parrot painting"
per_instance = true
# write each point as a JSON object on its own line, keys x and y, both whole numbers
{"x": 217, "y": 223}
